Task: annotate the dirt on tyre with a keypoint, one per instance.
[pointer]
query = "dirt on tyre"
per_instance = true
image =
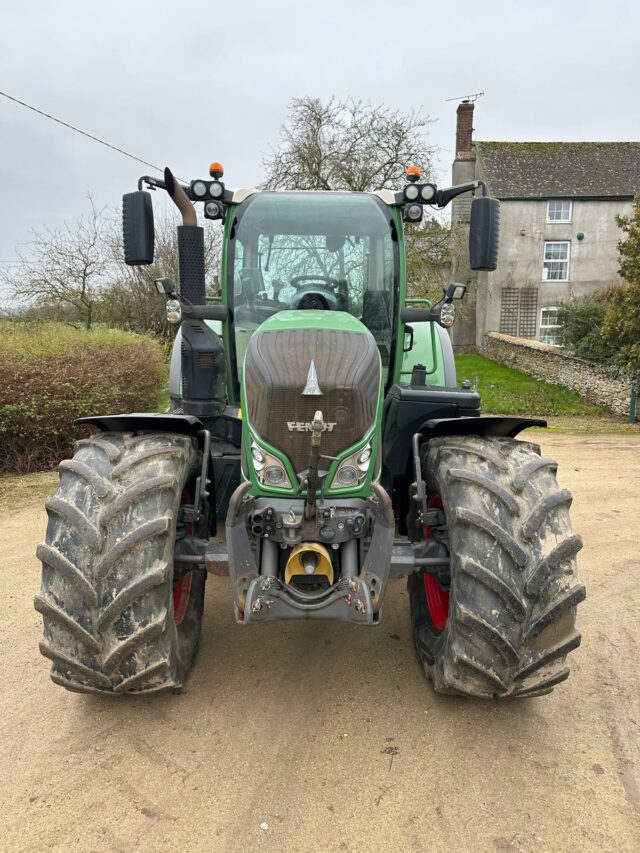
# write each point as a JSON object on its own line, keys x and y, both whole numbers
{"x": 504, "y": 624}
{"x": 118, "y": 616}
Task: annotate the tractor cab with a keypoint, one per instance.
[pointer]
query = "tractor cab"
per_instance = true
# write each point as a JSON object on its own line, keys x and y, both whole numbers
{"x": 318, "y": 251}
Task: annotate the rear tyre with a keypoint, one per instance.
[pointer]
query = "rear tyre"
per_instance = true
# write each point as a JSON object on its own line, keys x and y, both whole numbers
{"x": 118, "y": 616}
{"x": 506, "y": 623}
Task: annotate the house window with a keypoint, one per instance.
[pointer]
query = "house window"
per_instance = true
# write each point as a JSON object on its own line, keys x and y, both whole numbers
{"x": 556, "y": 261}
{"x": 559, "y": 210}
{"x": 549, "y": 328}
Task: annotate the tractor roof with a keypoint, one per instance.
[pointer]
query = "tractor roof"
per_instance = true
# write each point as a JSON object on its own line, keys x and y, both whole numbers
{"x": 386, "y": 196}
{"x": 305, "y": 212}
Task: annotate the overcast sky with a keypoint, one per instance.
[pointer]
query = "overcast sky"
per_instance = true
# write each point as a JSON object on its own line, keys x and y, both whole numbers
{"x": 182, "y": 84}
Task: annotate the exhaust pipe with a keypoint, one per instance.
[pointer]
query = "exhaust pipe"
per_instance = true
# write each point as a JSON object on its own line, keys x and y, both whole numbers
{"x": 203, "y": 362}
{"x": 190, "y": 245}
{"x": 180, "y": 198}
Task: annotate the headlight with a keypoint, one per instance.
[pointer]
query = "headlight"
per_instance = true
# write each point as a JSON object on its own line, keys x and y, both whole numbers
{"x": 352, "y": 470}
{"x": 413, "y": 212}
{"x": 411, "y": 192}
{"x": 364, "y": 458}
{"x": 174, "y": 311}
{"x": 216, "y": 190}
{"x": 428, "y": 192}
{"x": 213, "y": 210}
{"x": 274, "y": 475}
{"x": 199, "y": 189}
{"x": 448, "y": 315}
{"x": 269, "y": 470}
{"x": 346, "y": 476}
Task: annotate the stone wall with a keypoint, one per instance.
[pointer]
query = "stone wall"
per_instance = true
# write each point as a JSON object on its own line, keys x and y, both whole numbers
{"x": 551, "y": 364}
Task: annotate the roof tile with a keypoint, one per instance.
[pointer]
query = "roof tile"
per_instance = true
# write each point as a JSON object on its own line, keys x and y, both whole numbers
{"x": 560, "y": 169}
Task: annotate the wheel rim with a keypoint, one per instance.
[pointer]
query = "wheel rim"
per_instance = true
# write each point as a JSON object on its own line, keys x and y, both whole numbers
{"x": 182, "y": 587}
{"x": 437, "y": 601}
{"x": 181, "y": 593}
{"x": 437, "y": 597}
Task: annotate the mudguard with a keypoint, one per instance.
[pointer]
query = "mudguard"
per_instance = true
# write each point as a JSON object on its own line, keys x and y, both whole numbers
{"x": 137, "y": 421}
{"x": 486, "y": 426}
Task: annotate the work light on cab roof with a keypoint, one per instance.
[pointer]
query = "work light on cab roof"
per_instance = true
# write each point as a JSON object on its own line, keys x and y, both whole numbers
{"x": 210, "y": 192}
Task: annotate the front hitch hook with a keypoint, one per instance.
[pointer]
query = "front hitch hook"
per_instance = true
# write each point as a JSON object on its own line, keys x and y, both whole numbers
{"x": 313, "y": 478}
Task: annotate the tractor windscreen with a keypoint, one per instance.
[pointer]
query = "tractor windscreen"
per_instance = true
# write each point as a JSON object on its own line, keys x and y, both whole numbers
{"x": 313, "y": 250}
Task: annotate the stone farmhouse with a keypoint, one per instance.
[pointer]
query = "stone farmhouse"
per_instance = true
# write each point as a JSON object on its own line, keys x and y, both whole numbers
{"x": 559, "y": 236}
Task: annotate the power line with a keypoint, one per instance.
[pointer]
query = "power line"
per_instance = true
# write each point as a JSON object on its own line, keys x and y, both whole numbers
{"x": 82, "y": 132}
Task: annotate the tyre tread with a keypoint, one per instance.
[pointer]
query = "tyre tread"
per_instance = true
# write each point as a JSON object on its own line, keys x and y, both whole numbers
{"x": 108, "y": 614}
{"x": 497, "y": 533}
{"x": 74, "y": 516}
{"x": 513, "y": 571}
{"x": 484, "y": 482}
{"x": 540, "y": 512}
{"x": 506, "y": 591}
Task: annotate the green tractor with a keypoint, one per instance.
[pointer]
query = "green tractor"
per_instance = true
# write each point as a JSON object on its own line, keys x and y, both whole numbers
{"x": 314, "y": 408}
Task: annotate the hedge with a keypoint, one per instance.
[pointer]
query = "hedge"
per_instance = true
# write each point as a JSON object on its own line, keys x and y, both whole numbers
{"x": 51, "y": 373}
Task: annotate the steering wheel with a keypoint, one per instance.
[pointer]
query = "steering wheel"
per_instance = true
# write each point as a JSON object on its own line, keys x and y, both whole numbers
{"x": 304, "y": 279}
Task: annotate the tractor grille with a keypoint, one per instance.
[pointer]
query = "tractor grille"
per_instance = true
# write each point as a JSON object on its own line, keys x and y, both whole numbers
{"x": 275, "y": 374}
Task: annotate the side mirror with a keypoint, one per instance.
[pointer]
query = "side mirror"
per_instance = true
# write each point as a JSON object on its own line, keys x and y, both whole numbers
{"x": 137, "y": 228}
{"x": 454, "y": 291}
{"x": 484, "y": 233}
{"x": 165, "y": 287}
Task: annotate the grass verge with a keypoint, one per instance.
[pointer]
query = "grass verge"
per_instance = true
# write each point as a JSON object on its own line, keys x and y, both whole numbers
{"x": 506, "y": 391}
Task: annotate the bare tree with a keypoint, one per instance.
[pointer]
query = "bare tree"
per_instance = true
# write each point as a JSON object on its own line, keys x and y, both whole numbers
{"x": 430, "y": 250}
{"x": 351, "y": 145}
{"x": 346, "y": 145}
{"x": 66, "y": 268}
{"x": 78, "y": 273}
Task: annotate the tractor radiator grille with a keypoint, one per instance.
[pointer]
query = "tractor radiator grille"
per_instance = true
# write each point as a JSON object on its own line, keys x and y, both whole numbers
{"x": 276, "y": 368}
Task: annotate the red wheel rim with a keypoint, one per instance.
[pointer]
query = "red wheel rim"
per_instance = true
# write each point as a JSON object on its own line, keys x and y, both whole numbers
{"x": 437, "y": 597}
{"x": 437, "y": 601}
{"x": 182, "y": 588}
{"x": 181, "y": 593}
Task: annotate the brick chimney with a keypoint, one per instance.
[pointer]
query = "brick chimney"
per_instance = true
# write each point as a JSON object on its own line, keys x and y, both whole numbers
{"x": 464, "y": 128}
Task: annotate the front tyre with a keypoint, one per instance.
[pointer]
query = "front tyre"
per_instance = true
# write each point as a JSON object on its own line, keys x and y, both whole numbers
{"x": 119, "y": 616}
{"x": 505, "y": 622}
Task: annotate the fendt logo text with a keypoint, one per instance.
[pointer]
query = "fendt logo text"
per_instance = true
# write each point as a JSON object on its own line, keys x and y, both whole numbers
{"x": 301, "y": 426}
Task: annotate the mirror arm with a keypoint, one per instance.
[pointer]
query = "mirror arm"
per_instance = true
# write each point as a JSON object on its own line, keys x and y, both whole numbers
{"x": 205, "y": 312}
{"x": 420, "y": 315}
{"x": 443, "y": 197}
{"x": 152, "y": 183}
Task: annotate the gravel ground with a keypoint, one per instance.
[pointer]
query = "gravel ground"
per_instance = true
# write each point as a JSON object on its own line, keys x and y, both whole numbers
{"x": 312, "y": 736}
